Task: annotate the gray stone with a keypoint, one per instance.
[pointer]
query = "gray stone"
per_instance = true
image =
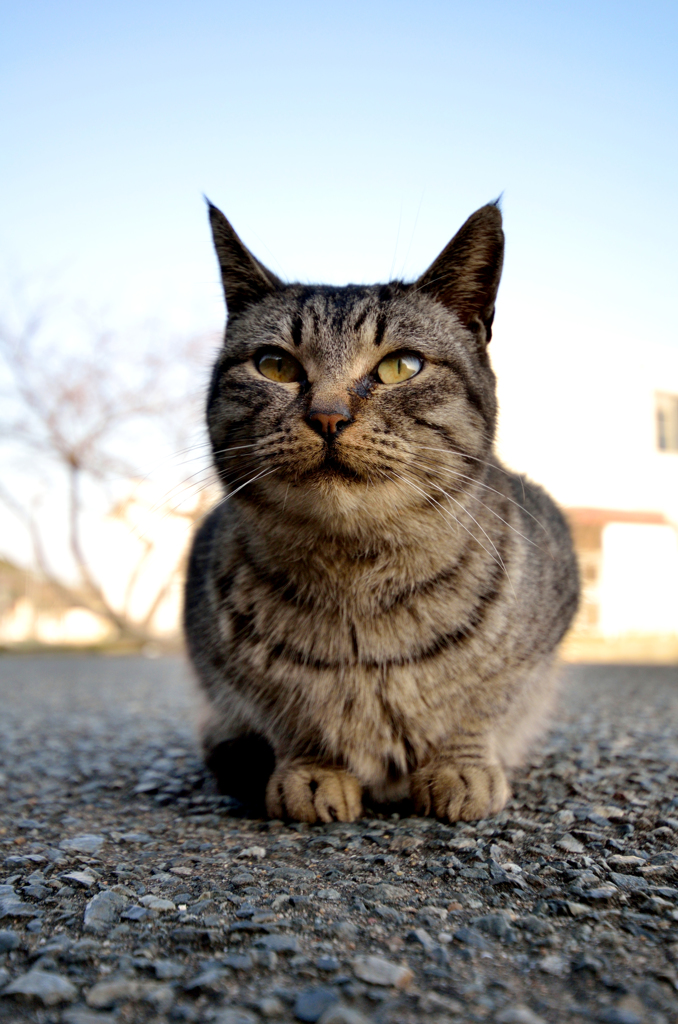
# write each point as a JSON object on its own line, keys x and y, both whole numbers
{"x": 103, "y": 911}
{"x": 553, "y": 964}
{"x": 313, "y": 1002}
{"x": 477, "y": 872}
{"x": 235, "y": 1015}
{"x": 378, "y": 971}
{"x": 569, "y": 844}
{"x": 81, "y": 1015}
{"x": 207, "y": 981}
{"x": 421, "y": 936}
{"x": 577, "y": 909}
{"x": 618, "y": 1015}
{"x": 499, "y": 925}
{"x": 44, "y": 987}
{"x": 381, "y": 891}
{"x": 388, "y": 913}
{"x": 253, "y": 852}
{"x": 278, "y": 943}
{"x": 271, "y": 1006}
{"x": 630, "y": 883}
{"x": 603, "y": 892}
{"x": 81, "y": 951}
{"x": 13, "y": 907}
{"x": 292, "y": 874}
{"x": 89, "y": 844}
{"x": 167, "y": 970}
{"x": 8, "y": 940}
{"x": 327, "y": 963}
{"x": 244, "y": 878}
{"x": 328, "y": 894}
{"x": 471, "y": 937}
{"x": 82, "y": 878}
{"x": 56, "y": 946}
{"x": 536, "y": 926}
{"x": 518, "y": 1015}
{"x": 105, "y": 994}
{"x": 239, "y": 961}
{"x": 158, "y": 903}
{"x": 343, "y": 1015}
{"x": 4, "y": 977}
{"x": 37, "y": 891}
{"x": 136, "y": 913}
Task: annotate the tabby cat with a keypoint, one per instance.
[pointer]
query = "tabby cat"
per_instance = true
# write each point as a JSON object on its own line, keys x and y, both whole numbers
{"x": 373, "y": 608}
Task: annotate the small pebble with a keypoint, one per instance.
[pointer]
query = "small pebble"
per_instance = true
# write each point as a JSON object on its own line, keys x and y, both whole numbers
{"x": 82, "y": 878}
{"x": 234, "y": 1015}
{"x": 102, "y": 911}
{"x": 90, "y": 844}
{"x": 8, "y": 940}
{"x": 377, "y": 971}
{"x": 570, "y": 844}
{"x": 313, "y": 1002}
{"x": 343, "y": 1015}
{"x": 43, "y": 987}
{"x": 519, "y": 1015}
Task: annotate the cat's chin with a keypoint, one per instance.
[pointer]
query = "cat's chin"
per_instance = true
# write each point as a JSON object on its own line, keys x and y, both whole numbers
{"x": 333, "y": 470}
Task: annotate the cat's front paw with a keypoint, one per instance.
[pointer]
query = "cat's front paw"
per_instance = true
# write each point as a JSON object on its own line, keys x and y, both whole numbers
{"x": 460, "y": 792}
{"x": 305, "y": 791}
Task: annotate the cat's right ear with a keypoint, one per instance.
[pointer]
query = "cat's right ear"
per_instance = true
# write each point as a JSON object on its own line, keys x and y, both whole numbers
{"x": 245, "y": 279}
{"x": 465, "y": 277}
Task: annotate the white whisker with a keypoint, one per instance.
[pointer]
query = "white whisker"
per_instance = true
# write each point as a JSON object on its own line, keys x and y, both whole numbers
{"x": 496, "y": 557}
{"x": 484, "y": 504}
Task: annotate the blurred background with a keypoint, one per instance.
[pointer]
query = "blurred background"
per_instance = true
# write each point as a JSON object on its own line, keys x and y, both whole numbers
{"x": 345, "y": 142}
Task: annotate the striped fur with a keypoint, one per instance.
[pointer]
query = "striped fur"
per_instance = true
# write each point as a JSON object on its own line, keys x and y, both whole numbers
{"x": 381, "y": 606}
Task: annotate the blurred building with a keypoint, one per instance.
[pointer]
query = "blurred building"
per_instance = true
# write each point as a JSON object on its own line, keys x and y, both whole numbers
{"x": 599, "y": 428}
{"x": 34, "y": 611}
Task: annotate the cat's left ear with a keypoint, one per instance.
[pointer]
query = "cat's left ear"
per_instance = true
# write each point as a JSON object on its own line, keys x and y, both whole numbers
{"x": 465, "y": 277}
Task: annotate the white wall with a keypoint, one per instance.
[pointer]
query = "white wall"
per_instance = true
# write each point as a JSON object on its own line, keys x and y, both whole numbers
{"x": 577, "y": 410}
{"x": 639, "y": 580}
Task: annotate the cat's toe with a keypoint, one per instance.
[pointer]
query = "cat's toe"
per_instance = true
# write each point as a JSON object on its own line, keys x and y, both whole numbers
{"x": 308, "y": 792}
{"x": 460, "y": 792}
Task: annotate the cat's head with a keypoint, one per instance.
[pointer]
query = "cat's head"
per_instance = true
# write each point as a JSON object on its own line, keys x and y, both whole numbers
{"x": 326, "y": 397}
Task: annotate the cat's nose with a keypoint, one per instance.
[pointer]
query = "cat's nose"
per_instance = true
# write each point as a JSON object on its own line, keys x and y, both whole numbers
{"x": 329, "y": 421}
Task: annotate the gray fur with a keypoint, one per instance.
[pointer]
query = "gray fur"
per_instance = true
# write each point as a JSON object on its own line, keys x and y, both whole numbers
{"x": 380, "y": 605}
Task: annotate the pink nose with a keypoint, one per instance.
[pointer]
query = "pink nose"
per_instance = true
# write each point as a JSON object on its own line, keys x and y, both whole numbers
{"x": 330, "y": 422}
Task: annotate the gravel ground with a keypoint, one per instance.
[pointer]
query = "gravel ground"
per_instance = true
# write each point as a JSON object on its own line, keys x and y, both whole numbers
{"x": 131, "y": 892}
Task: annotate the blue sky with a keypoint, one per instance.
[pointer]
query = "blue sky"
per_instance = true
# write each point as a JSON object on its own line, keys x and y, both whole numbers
{"x": 345, "y": 142}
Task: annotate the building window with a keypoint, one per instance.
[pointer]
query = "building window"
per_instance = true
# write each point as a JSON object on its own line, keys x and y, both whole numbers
{"x": 667, "y": 422}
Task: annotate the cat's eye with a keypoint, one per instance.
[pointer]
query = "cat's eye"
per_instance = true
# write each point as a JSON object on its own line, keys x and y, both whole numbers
{"x": 279, "y": 366}
{"x": 398, "y": 367}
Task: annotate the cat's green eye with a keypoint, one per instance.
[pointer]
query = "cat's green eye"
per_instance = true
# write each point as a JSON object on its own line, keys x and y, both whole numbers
{"x": 280, "y": 367}
{"x": 398, "y": 367}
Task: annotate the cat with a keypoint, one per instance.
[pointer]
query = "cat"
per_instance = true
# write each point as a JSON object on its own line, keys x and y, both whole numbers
{"x": 373, "y": 608}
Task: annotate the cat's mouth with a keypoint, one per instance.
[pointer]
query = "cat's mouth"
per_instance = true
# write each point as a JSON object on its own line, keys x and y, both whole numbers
{"x": 332, "y": 468}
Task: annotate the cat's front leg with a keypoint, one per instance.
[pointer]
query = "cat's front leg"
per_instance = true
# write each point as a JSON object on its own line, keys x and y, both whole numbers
{"x": 463, "y": 782}
{"x": 304, "y": 790}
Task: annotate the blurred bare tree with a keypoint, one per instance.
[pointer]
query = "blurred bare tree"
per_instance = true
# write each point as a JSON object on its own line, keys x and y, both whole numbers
{"x": 97, "y": 429}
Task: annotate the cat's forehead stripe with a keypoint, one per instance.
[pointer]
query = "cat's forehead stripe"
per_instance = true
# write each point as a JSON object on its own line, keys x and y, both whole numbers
{"x": 297, "y": 326}
{"x": 380, "y": 328}
{"x": 361, "y": 318}
{"x": 340, "y": 310}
